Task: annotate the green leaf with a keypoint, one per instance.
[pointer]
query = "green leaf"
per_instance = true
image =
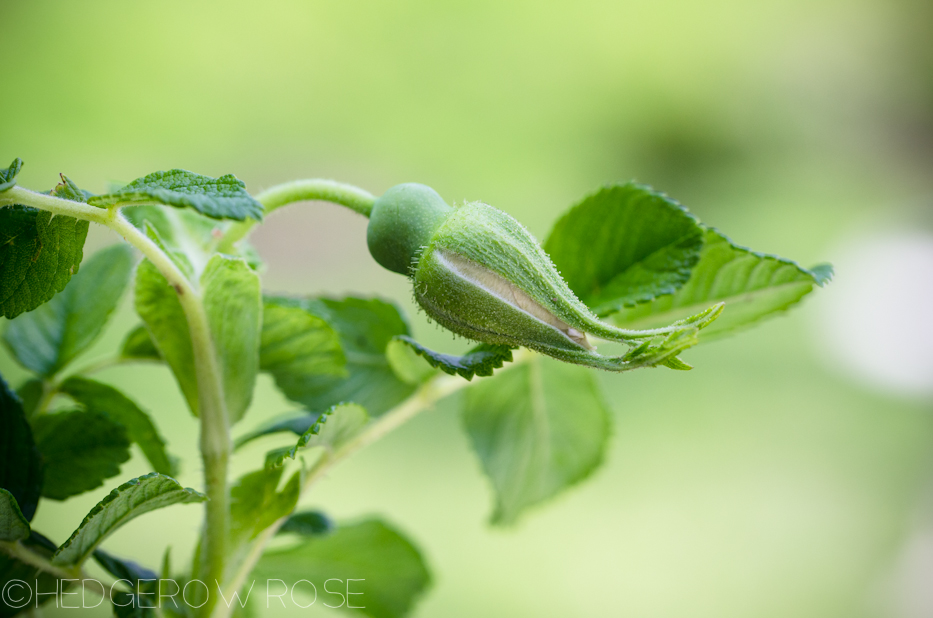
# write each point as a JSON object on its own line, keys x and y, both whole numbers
{"x": 11, "y": 569}
{"x": 479, "y": 361}
{"x": 126, "y": 502}
{"x": 68, "y": 190}
{"x": 386, "y": 567}
{"x": 21, "y": 468}
{"x": 50, "y": 337}
{"x": 332, "y": 429}
{"x": 297, "y": 345}
{"x": 365, "y": 328}
{"x": 221, "y": 198}
{"x": 407, "y": 364}
{"x": 39, "y": 253}
{"x": 158, "y": 306}
{"x": 623, "y": 245}
{"x": 295, "y": 424}
{"x": 752, "y": 285}
{"x": 255, "y": 503}
{"x": 8, "y": 176}
{"x": 80, "y": 449}
{"x": 233, "y": 303}
{"x": 307, "y": 523}
{"x": 106, "y": 400}
{"x": 138, "y": 345}
{"x": 31, "y": 393}
{"x": 13, "y": 525}
{"x": 538, "y": 428}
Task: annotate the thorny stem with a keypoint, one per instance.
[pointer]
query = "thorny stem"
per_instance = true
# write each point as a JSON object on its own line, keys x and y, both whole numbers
{"x": 354, "y": 198}
{"x": 215, "y": 428}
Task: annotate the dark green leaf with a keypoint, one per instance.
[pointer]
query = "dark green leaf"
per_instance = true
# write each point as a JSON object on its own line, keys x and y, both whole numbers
{"x": 80, "y": 449}
{"x": 39, "y": 253}
{"x": 365, "y": 328}
{"x": 106, "y": 400}
{"x": 50, "y": 337}
{"x": 623, "y": 245}
{"x": 158, "y": 306}
{"x": 21, "y": 467}
{"x": 15, "y": 598}
{"x": 8, "y": 176}
{"x": 332, "y": 429}
{"x": 221, "y": 198}
{"x": 308, "y": 523}
{"x": 138, "y": 345}
{"x": 31, "y": 393}
{"x": 13, "y": 525}
{"x": 752, "y": 285}
{"x": 479, "y": 361}
{"x": 126, "y": 502}
{"x": 538, "y": 428}
{"x": 123, "y": 569}
{"x": 297, "y": 345}
{"x": 388, "y": 572}
{"x": 233, "y": 303}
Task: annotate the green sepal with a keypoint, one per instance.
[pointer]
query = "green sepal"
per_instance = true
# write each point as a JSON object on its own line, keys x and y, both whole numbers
{"x": 8, "y": 176}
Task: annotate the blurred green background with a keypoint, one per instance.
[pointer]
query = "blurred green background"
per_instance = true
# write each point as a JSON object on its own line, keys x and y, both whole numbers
{"x": 768, "y": 481}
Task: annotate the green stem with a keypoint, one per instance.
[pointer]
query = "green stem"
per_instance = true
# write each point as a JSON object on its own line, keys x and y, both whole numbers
{"x": 354, "y": 198}
{"x": 215, "y": 428}
{"x": 423, "y": 399}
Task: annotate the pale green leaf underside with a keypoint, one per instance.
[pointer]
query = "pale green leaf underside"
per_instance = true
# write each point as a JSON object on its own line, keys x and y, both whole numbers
{"x": 138, "y": 345}
{"x": 221, "y": 198}
{"x": 233, "y": 303}
{"x": 13, "y": 525}
{"x": 256, "y": 503}
{"x": 158, "y": 306}
{"x": 394, "y": 574}
{"x": 624, "y": 244}
{"x": 47, "y": 339}
{"x": 297, "y": 345}
{"x": 538, "y": 428}
{"x": 752, "y": 285}
{"x": 129, "y": 500}
{"x": 106, "y": 400}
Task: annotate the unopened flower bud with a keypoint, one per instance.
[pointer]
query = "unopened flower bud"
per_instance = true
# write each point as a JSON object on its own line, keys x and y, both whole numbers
{"x": 479, "y": 273}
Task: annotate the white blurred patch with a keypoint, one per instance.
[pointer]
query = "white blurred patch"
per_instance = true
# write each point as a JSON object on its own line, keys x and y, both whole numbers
{"x": 876, "y": 317}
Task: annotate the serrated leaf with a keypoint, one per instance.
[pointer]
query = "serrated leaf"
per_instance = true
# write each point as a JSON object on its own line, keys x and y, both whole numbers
{"x": 538, "y": 428}
{"x": 297, "y": 345}
{"x": 295, "y": 424}
{"x": 407, "y": 364}
{"x": 124, "y": 569}
{"x": 126, "y": 502}
{"x": 389, "y": 571}
{"x": 53, "y": 335}
{"x": 138, "y": 345}
{"x": 106, "y": 400}
{"x": 220, "y": 198}
{"x": 365, "y": 328}
{"x": 81, "y": 449}
{"x": 68, "y": 190}
{"x": 233, "y": 303}
{"x": 158, "y": 306}
{"x": 39, "y": 253}
{"x": 623, "y": 245}
{"x": 13, "y": 525}
{"x": 752, "y": 285}
{"x": 481, "y": 360}
{"x": 45, "y": 584}
{"x": 21, "y": 467}
{"x": 8, "y": 176}
{"x": 307, "y": 523}
{"x": 332, "y": 429}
